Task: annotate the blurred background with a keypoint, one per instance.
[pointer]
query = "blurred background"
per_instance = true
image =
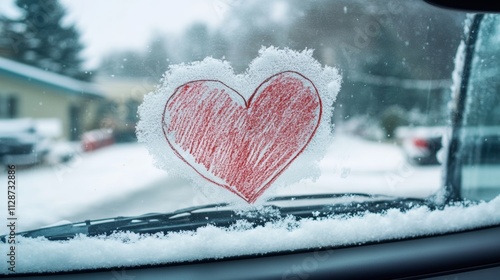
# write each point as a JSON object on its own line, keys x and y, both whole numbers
{"x": 72, "y": 74}
{"x": 108, "y": 45}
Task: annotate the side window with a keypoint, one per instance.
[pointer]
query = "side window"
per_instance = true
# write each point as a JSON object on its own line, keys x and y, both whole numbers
{"x": 12, "y": 106}
{"x": 480, "y": 135}
{"x": 75, "y": 122}
{"x": 3, "y": 106}
{"x": 8, "y": 106}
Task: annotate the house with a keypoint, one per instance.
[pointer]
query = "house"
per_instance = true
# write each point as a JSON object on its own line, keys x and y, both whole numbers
{"x": 30, "y": 92}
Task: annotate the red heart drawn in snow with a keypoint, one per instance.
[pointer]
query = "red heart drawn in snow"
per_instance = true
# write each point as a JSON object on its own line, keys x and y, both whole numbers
{"x": 242, "y": 145}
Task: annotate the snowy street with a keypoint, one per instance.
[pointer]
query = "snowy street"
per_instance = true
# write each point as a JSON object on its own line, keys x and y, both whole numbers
{"x": 121, "y": 180}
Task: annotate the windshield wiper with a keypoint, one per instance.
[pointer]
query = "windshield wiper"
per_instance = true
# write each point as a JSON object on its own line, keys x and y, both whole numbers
{"x": 324, "y": 195}
{"x": 224, "y": 215}
{"x": 177, "y": 220}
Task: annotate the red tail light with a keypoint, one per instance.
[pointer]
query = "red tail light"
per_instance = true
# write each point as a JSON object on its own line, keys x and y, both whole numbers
{"x": 421, "y": 143}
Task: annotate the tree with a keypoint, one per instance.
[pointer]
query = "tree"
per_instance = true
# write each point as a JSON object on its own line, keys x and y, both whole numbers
{"x": 195, "y": 42}
{"x": 151, "y": 62}
{"x": 40, "y": 38}
{"x": 156, "y": 58}
{"x": 125, "y": 63}
{"x": 378, "y": 51}
{"x": 251, "y": 26}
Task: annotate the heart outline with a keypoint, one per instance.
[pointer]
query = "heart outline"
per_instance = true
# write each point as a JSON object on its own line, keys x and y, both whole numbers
{"x": 247, "y": 104}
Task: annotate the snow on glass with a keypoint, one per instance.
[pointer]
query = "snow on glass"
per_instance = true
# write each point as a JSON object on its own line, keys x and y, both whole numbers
{"x": 244, "y": 132}
{"x": 210, "y": 242}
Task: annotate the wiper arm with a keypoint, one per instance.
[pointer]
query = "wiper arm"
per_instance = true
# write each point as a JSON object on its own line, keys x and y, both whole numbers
{"x": 373, "y": 203}
{"x": 222, "y": 215}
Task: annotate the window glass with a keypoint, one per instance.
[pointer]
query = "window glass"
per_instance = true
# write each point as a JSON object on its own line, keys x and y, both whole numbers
{"x": 481, "y": 131}
{"x": 73, "y": 75}
{"x": 387, "y": 122}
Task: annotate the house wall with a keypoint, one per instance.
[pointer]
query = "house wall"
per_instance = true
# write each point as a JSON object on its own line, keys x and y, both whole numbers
{"x": 90, "y": 118}
{"x": 37, "y": 100}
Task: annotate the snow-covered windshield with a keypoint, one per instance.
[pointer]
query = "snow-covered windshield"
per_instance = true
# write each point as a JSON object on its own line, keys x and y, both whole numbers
{"x": 77, "y": 145}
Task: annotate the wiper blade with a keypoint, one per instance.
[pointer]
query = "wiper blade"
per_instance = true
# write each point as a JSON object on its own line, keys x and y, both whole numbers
{"x": 186, "y": 210}
{"x": 182, "y": 219}
{"x": 200, "y": 207}
{"x": 222, "y": 215}
{"x": 326, "y": 195}
{"x": 62, "y": 232}
{"x": 179, "y": 220}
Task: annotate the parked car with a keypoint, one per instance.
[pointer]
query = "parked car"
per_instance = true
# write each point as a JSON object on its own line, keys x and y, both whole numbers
{"x": 20, "y": 143}
{"x": 96, "y": 139}
{"x": 421, "y": 144}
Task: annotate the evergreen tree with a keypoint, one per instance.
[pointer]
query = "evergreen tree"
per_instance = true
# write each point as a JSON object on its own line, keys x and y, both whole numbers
{"x": 40, "y": 38}
{"x": 156, "y": 58}
{"x": 151, "y": 62}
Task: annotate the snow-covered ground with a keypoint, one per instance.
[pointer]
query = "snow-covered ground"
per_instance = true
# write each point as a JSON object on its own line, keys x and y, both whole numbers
{"x": 48, "y": 194}
{"x": 354, "y": 165}
{"x": 121, "y": 180}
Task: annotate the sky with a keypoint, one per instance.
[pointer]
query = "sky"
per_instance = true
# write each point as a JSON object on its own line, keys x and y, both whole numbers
{"x": 106, "y": 26}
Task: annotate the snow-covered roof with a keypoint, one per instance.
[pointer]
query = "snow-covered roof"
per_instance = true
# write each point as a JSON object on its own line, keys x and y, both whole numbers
{"x": 34, "y": 74}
